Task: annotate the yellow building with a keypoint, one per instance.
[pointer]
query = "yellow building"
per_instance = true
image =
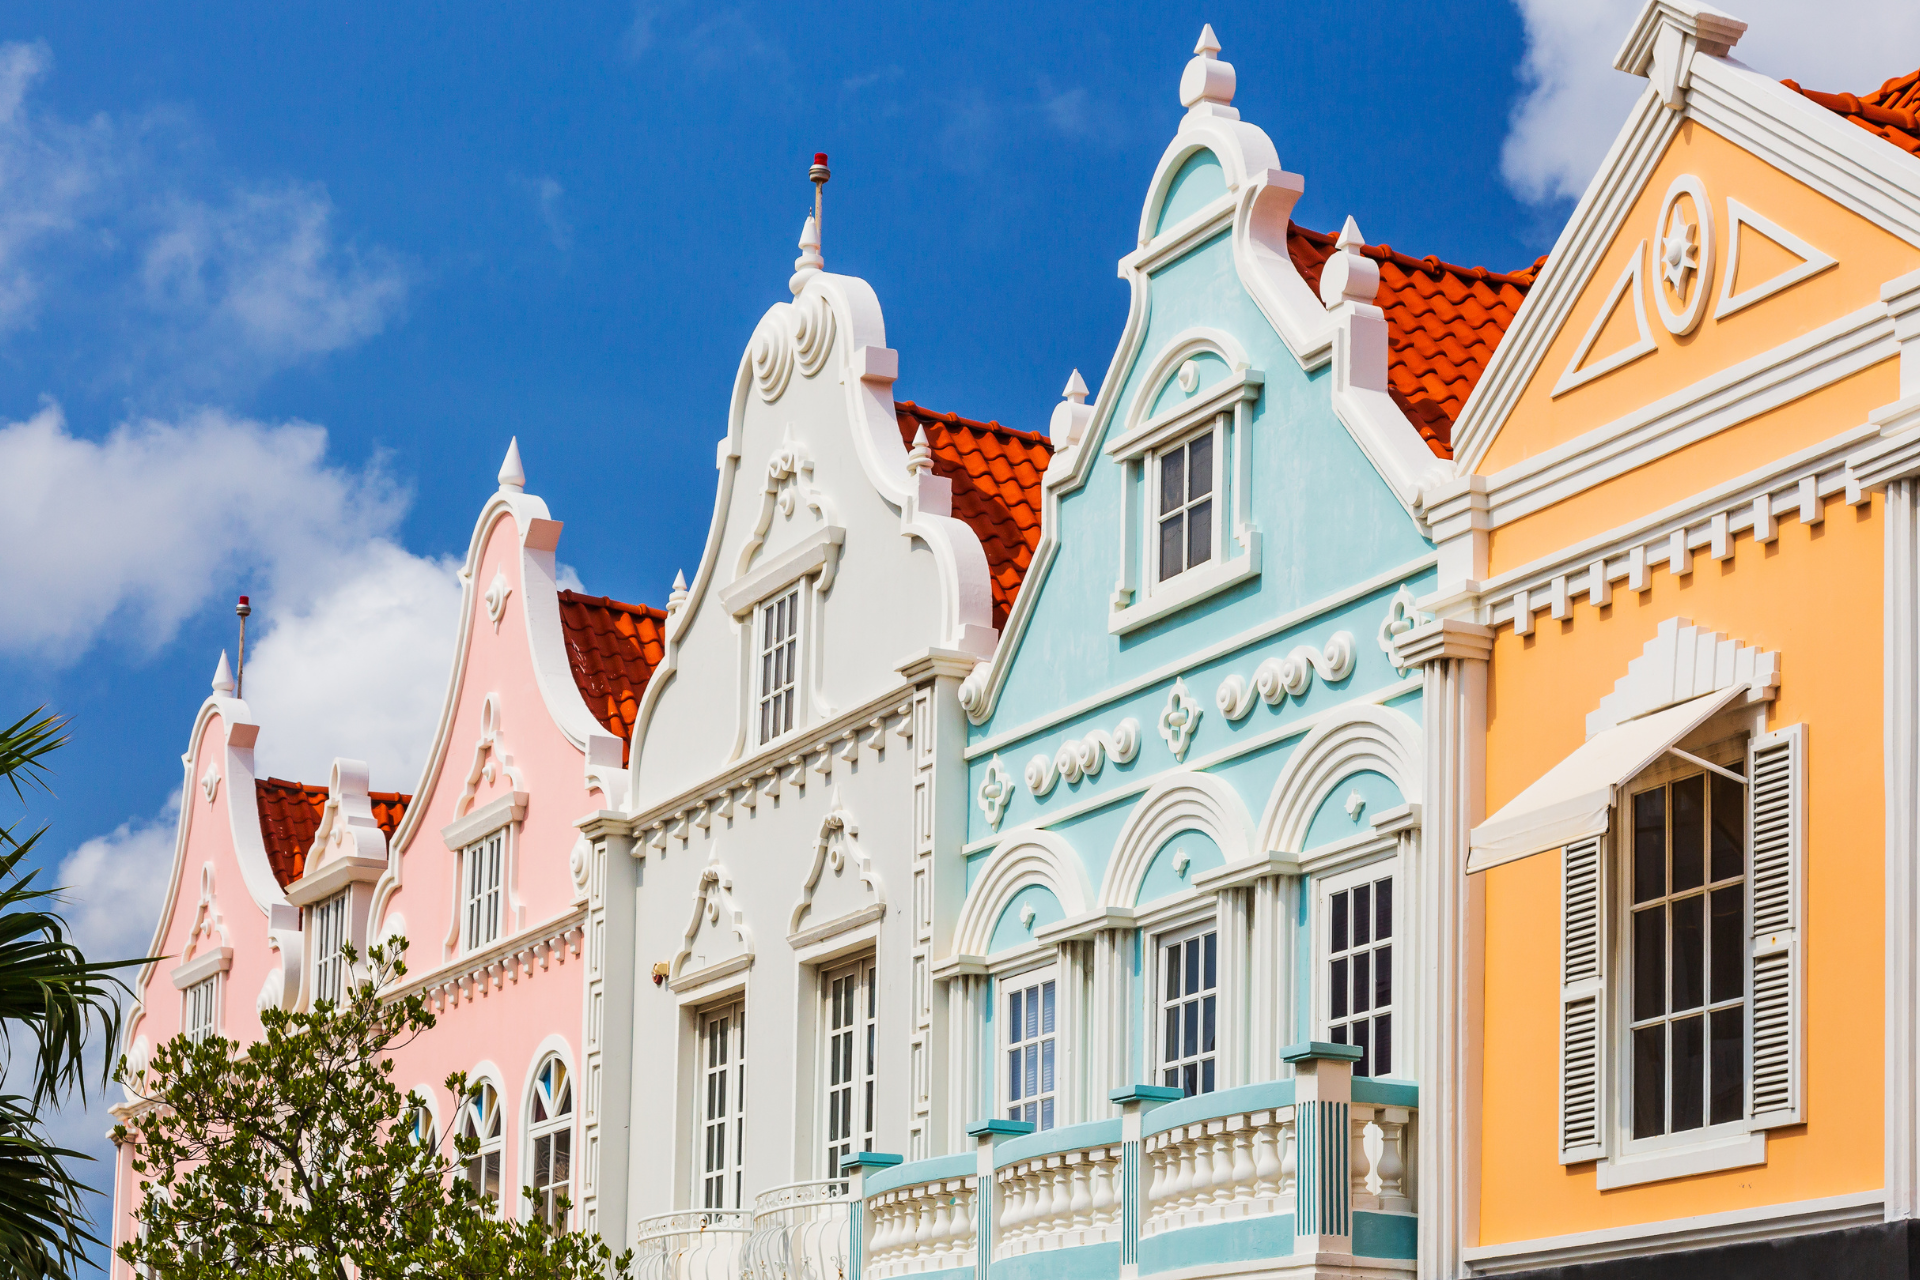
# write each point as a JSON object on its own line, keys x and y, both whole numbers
{"x": 1672, "y": 701}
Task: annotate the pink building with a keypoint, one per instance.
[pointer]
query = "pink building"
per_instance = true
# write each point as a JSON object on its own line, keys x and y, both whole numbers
{"x": 481, "y": 868}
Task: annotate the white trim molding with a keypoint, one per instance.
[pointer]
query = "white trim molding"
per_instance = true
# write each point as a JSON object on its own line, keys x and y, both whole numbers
{"x": 1180, "y": 800}
{"x": 1356, "y": 737}
{"x": 1677, "y": 1235}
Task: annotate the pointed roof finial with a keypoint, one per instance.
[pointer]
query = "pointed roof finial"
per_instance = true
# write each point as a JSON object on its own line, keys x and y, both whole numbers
{"x": 677, "y": 598}
{"x": 1206, "y": 86}
{"x": 1076, "y": 389}
{"x": 513, "y": 477}
{"x": 223, "y": 677}
{"x": 920, "y": 457}
{"x": 809, "y": 263}
{"x": 1349, "y": 274}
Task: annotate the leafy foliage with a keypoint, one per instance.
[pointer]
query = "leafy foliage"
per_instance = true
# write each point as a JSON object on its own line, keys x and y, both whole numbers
{"x": 51, "y": 998}
{"x": 296, "y": 1155}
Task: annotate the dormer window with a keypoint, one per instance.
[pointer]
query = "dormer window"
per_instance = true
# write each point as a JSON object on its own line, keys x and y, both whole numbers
{"x": 329, "y": 937}
{"x": 483, "y": 861}
{"x": 202, "y": 1008}
{"x": 779, "y": 635}
{"x": 1187, "y": 486}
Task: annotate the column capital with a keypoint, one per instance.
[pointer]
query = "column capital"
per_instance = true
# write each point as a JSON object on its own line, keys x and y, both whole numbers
{"x": 1441, "y": 639}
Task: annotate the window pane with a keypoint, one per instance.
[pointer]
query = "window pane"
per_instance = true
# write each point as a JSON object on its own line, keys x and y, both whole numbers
{"x": 1173, "y": 971}
{"x": 1337, "y": 990}
{"x": 1383, "y": 1045}
{"x": 1649, "y": 845}
{"x": 1689, "y": 1073}
{"x": 1032, "y": 1075}
{"x": 1729, "y": 971}
{"x": 1046, "y": 1066}
{"x": 1362, "y": 982}
{"x": 1206, "y": 1076}
{"x": 1014, "y": 1007}
{"x": 1033, "y": 1015}
{"x": 1173, "y": 486}
{"x": 1193, "y": 965}
{"x": 1361, "y": 1037}
{"x": 1046, "y": 1113}
{"x": 1189, "y": 1080}
{"x": 1689, "y": 952}
{"x": 1362, "y": 913}
{"x": 1200, "y": 533}
{"x": 542, "y": 1149}
{"x": 1173, "y": 1035}
{"x": 1211, "y": 941}
{"x": 1649, "y": 1082}
{"x": 1728, "y": 1089}
{"x": 1338, "y": 940}
{"x": 1383, "y": 909}
{"x": 1649, "y": 962}
{"x": 1729, "y": 828}
{"x": 1206, "y": 1029}
{"x": 1046, "y": 1008}
{"x": 1190, "y": 1040}
{"x": 1172, "y": 535}
{"x": 1200, "y": 466}
{"x": 1383, "y": 977}
{"x": 1689, "y": 832}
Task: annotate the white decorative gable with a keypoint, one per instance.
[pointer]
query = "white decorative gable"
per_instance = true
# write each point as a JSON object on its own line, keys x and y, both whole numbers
{"x": 718, "y": 931}
{"x": 1682, "y": 662}
{"x": 841, "y": 881}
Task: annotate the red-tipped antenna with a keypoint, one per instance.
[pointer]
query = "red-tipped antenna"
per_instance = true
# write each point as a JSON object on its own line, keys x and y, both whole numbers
{"x": 818, "y": 176}
{"x": 243, "y": 609}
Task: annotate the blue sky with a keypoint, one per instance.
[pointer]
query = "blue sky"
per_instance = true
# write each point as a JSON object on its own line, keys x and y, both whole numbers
{"x": 277, "y": 284}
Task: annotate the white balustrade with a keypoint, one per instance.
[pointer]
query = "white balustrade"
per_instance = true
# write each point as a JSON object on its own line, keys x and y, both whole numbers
{"x": 925, "y": 1227}
{"x": 799, "y": 1233}
{"x": 700, "y": 1244}
{"x": 1379, "y": 1158}
{"x": 1059, "y": 1201}
{"x": 1233, "y": 1166}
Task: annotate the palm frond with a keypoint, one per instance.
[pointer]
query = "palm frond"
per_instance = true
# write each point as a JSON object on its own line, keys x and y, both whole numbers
{"x": 41, "y": 1214}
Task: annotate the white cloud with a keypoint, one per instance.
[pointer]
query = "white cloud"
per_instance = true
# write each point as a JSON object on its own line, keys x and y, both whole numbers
{"x": 547, "y": 194}
{"x": 115, "y": 884}
{"x": 361, "y": 671}
{"x": 1574, "y": 102}
{"x": 209, "y": 284}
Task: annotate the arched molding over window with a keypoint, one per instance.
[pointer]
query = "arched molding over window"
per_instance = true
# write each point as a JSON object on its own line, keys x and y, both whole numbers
{"x": 425, "y": 1118}
{"x": 1024, "y": 857}
{"x": 1174, "y": 803}
{"x": 548, "y": 1111}
{"x": 1363, "y": 738}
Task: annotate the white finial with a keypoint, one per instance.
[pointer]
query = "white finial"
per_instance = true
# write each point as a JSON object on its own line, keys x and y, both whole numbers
{"x": 920, "y": 457}
{"x": 223, "y": 677}
{"x": 677, "y": 598}
{"x": 809, "y": 262}
{"x": 513, "y": 477}
{"x": 1076, "y": 385}
{"x": 1350, "y": 275}
{"x": 1206, "y": 86}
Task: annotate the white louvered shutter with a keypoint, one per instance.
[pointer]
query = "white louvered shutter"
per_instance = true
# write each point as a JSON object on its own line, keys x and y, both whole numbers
{"x": 1777, "y": 841}
{"x": 1583, "y": 1001}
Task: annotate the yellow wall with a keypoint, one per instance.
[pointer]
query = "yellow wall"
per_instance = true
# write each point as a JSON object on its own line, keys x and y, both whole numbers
{"x": 1814, "y": 595}
{"x": 1868, "y": 256}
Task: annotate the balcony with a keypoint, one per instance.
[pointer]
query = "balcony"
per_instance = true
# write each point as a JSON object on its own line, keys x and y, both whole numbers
{"x": 800, "y": 1232}
{"x": 1313, "y": 1169}
{"x": 701, "y": 1244}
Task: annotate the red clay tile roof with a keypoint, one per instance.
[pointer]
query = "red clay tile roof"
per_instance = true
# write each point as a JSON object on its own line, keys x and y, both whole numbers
{"x": 1892, "y": 111}
{"x": 1443, "y": 323}
{"x": 613, "y": 649}
{"x": 996, "y": 475}
{"x": 289, "y": 817}
{"x": 290, "y": 814}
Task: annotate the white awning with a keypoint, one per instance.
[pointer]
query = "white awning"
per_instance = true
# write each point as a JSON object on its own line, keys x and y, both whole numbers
{"x": 1572, "y": 800}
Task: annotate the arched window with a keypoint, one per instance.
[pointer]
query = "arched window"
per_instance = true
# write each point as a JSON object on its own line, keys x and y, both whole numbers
{"x": 480, "y": 1121}
{"x": 423, "y": 1130}
{"x": 550, "y": 1137}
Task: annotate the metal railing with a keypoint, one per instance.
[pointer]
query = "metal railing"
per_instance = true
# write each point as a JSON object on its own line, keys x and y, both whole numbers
{"x": 695, "y": 1244}
{"x": 800, "y": 1232}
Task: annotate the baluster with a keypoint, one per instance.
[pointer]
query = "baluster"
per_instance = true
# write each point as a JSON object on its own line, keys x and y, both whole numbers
{"x": 1266, "y": 1161}
{"x": 1080, "y": 1203}
{"x": 1357, "y": 1162}
{"x": 1101, "y": 1201}
{"x": 1392, "y": 1169}
{"x": 1243, "y": 1136}
{"x": 1156, "y": 1174}
{"x": 1193, "y": 1172}
{"x": 942, "y": 1223}
{"x": 1013, "y": 1210}
{"x": 1289, "y": 1153}
{"x": 1060, "y": 1202}
{"x": 1221, "y": 1189}
{"x": 963, "y": 1218}
{"x": 922, "y": 1227}
{"x": 883, "y": 1216}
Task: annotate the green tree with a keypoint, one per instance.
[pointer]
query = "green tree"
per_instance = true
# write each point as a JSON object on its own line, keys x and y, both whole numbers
{"x": 51, "y": 997}
{"x": 296, "y": 1155}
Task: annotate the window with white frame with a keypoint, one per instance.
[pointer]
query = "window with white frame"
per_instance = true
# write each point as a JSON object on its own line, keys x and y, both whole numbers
{"x": 850, "y": 1056}
{"x": 722, "y": 1116}
{"x": 329, "y": 943}
{"x": 550, "y": 1138}
{"x": 1188, "y": 998}
{"x": 1186, "y": 515}
{"x": 423, "y": 1131}
{"x": 778, "y": 633}
{"x": 1031, "y": 1004}
{"x": 480, "y": 1122}
{"x": 1687, "y": 962}
{"x": 1680, "y": 958}
{"x": 481, "y": 875}
{"x": 201, "y": 1018}
{"x": 1358, "y": 927}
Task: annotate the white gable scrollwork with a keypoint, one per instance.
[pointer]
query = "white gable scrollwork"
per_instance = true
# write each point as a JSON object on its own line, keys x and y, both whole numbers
{"x": 491, "y": 758}
{"x": 718, "y": 930}
{"x": 788, "y": 487}
{"x": 837, "y": 850}
{"x": 1681, "y": 662}
{"x": 1276, "y": 678}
